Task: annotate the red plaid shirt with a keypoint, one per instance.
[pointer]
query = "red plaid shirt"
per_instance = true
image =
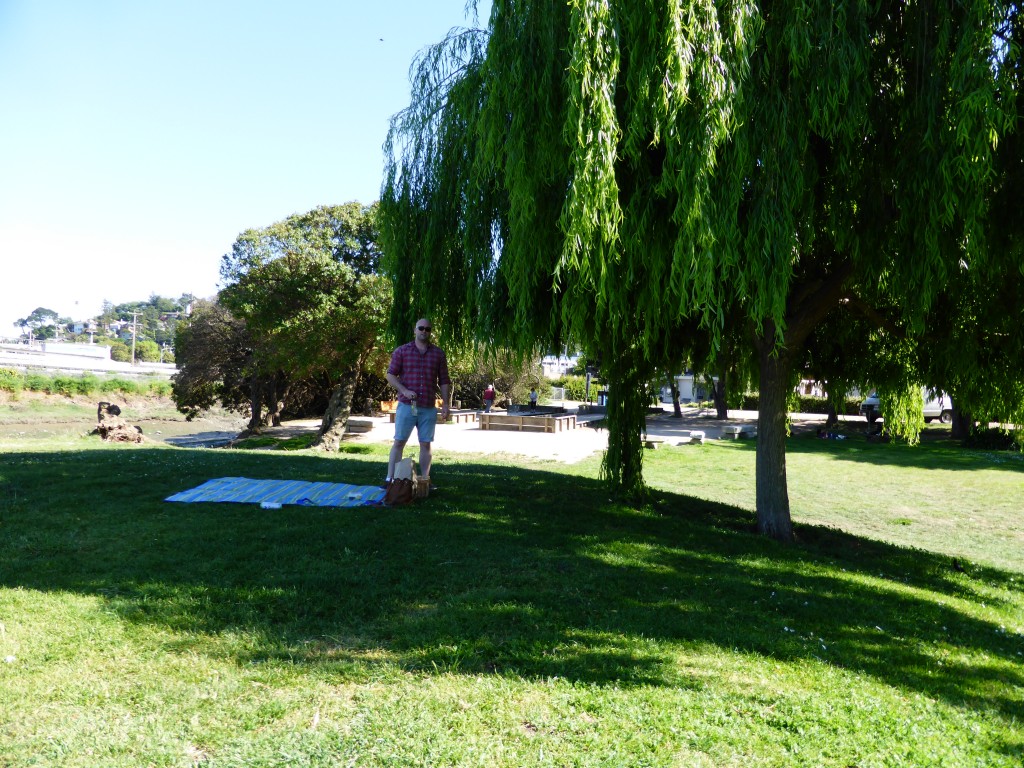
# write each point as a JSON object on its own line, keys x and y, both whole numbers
{"x": 421, "y": 372}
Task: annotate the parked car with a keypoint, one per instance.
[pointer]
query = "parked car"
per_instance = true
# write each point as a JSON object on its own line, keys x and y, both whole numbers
{"x": 939, "y": 407}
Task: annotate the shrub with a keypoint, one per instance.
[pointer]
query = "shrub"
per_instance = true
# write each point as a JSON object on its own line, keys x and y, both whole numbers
{"x": 87, "y": 384}
{"x": 750, "y": 401}
{"x": 576, "y": 387}
{"x": 997, "y": 439}
{"x": 11, "y": 381}
{"x": 124, "y": 386}
{"x": 37, "y": 382}
{"x": 812, "y": 404}
{"x": 66, "y": 386}
{"x": 147, "y": 351}
{"x": 160, "y": 388}
{"x": 120, "y": 352}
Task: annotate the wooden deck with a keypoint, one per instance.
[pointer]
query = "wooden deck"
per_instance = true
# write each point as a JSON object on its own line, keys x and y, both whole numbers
{"x": 526, "y": 423}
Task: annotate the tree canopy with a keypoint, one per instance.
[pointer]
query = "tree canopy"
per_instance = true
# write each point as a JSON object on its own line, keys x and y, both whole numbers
{"x": 313, "y": 308}
{"x": 606, "y": 173}
{"x": 41, "y": 321}
{"x": 213, "y": 347}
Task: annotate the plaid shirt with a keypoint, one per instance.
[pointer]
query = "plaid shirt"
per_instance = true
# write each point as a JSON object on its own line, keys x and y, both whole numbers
{"x": 421, "y": 372}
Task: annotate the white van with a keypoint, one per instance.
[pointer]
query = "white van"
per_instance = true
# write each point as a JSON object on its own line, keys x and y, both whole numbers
{"x": 939, "y": 407}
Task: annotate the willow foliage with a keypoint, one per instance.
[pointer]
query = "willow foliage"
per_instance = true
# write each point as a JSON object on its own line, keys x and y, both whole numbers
{"x": 605, "y": 172}
{"x": 904, "y": 411}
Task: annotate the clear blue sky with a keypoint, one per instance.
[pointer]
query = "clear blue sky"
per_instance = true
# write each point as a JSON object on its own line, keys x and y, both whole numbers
{"x": 139, "y": 138}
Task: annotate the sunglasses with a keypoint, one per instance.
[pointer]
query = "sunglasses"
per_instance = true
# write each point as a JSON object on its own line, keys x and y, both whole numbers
{"x": 423, "y": 328}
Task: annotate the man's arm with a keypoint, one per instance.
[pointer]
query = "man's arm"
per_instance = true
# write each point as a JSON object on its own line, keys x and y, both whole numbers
{"x": 393, "y": 375}
{"x": 395, "y": 382}
{"x": 446, "y": 385}
{"x": 445, "y": 408}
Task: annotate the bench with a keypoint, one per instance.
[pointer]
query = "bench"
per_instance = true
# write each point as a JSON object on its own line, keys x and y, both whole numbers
{"x": 652, "y": 443}
{"x": 737, "y": 432}
{"x": 519, "y": 423}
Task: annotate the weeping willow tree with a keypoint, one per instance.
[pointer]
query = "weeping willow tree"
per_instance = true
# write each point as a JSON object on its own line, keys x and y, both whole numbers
{"x": 606, "y": 172}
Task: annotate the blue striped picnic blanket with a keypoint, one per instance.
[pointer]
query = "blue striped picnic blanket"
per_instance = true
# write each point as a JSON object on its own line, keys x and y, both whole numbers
{"x": 301, "y": 492}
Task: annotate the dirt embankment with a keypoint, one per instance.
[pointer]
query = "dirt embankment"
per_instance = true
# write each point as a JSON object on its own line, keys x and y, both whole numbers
{"x": 27, "y": 414}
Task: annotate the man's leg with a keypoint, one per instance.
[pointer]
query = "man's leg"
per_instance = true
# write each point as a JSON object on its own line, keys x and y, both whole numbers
{"x": 404, "y": 423}
{"x": 425, "y": 457}
{"x": 425, "y": 434}
{"x": 397, "y": 449}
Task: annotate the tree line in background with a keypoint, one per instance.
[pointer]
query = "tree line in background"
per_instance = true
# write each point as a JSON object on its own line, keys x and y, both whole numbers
{"x": 150, "y": 324}
{"x": 772, "y": 190}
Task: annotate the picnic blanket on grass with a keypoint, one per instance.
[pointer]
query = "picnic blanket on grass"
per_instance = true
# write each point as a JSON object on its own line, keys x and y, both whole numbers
{"x": 301, "y": 492}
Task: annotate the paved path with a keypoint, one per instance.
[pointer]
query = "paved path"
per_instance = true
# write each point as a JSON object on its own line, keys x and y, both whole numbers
{"x": 568, "y": 447}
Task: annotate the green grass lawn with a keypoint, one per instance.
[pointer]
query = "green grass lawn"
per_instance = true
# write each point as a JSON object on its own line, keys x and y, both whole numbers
{"x": 518, "y": 617}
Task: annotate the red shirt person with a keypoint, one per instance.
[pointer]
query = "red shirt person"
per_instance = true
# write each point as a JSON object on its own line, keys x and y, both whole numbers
{"x": 416, "y": 371}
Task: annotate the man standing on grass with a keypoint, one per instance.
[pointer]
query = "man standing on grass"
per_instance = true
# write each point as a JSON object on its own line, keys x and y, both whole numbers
{"x": 416, "y": 371}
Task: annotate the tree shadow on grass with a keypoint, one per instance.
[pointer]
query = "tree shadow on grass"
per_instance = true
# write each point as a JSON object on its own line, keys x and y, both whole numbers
{"x": 506, "y": 570}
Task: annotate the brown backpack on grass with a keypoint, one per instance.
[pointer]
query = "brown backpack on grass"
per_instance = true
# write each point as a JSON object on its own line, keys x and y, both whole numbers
{"x": 399, "y": 492}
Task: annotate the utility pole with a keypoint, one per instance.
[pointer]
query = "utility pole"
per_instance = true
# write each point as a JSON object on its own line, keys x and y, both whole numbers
{"x": 135, "y": 317}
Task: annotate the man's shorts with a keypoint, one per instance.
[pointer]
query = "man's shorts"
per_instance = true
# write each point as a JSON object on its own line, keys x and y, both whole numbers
{"x": 425, "y": 420}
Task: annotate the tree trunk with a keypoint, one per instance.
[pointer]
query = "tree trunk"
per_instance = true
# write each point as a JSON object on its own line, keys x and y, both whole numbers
{"x": 832, "y": 419}
{"x": 677, "y": 411}
{"x": 332, "y": 427}
{"x": 808, "y": 306}
{"x": 962, "y": 424}
{"x": 275, "y": 399}
{"x": 255, "y": 425}
{"x": 628, "y": 401}
{"x": 773, "y": 518}
{"x": 718, "y": 394}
